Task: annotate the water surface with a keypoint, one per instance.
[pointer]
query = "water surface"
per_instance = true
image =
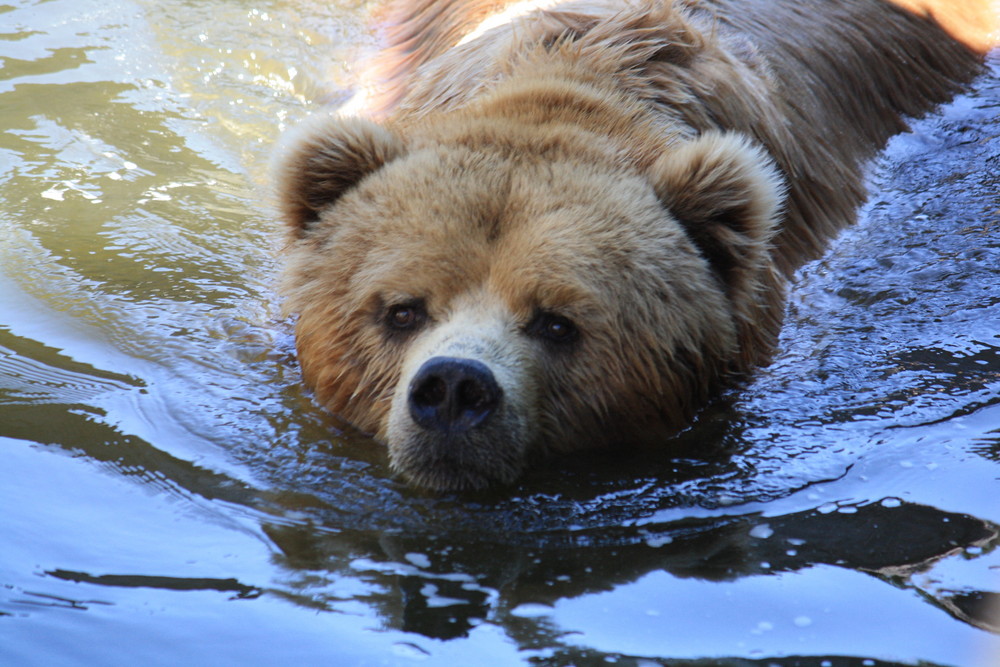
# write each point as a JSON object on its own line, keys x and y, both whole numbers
{"x": 172, "y": 496}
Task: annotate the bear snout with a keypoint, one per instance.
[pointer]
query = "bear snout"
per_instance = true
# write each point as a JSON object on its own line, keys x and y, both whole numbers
{"x": 464, "y": 411}
{"x": 453, "y": 395}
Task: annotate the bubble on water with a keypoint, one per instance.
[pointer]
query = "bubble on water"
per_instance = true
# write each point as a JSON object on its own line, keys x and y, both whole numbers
{"x": 531, "y": 610}
{"x": 658, "y": 540}
{"x": 418, "y": 560}
{"x": 761, "y": 531}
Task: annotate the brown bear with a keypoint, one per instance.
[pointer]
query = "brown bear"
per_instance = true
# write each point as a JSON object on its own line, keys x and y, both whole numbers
{"x": 567, "y": 226}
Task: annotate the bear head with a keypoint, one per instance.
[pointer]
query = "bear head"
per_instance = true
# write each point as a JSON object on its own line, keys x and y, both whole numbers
{"x": 473, "y": 295}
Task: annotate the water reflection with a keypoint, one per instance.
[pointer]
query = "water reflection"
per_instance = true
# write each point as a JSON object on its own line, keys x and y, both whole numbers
{"x": 442, "y": 587}
{"x": 139, "y": 342}
{"x": 168, "y": 583}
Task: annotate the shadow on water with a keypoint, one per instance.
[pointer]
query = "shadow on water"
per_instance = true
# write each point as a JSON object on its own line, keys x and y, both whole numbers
{"x": 445, "y": 594}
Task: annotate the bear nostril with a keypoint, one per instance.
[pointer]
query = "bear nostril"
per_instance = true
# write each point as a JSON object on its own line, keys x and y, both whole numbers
{"x": 453, "y": 395}
{"x": 431, "y": 393}
{"x": 471, "y": 395}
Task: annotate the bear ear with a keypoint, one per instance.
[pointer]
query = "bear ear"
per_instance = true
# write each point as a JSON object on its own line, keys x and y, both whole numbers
{"x": 326, "y": 157}
{"x": 727, "y": 194}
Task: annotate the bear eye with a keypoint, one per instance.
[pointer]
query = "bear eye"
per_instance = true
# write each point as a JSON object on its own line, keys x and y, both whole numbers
{"x": 405, "y": 316}
{"x": 552, "y": 327}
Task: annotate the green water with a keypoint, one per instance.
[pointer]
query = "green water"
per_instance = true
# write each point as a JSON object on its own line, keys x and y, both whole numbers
{"x": 171, "y": 495}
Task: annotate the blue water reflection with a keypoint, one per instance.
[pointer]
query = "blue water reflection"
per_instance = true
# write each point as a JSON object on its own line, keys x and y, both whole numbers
{"x": 172, "y": 496}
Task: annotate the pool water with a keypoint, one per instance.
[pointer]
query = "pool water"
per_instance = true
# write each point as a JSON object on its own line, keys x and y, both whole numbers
{"x": 171, "y": 495}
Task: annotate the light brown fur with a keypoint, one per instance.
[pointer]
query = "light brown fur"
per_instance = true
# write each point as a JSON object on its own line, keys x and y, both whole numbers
{"x": 643, "y": 176}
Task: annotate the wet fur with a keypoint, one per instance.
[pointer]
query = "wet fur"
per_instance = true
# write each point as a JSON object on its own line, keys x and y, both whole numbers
{"x": 653, "y": 171}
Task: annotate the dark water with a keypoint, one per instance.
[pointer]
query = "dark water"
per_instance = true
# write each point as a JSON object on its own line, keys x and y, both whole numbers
{"x": 170, "y": 495}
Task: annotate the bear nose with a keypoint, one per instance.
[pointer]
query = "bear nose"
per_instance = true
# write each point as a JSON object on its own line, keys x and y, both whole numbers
{"x": 453, "y": 395}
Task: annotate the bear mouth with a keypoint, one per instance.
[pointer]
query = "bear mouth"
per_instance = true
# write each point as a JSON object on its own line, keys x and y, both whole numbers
{"x": 457, "y": 461}
{"x": 460, "y": 421}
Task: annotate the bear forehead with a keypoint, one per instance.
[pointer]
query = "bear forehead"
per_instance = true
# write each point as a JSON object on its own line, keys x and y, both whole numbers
{"x": 450, "y": 195}
{"x": 446, "y": 219}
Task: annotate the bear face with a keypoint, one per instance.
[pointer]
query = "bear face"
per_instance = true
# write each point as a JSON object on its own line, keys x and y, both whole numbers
{"x": 571, "y": 227}
{"x": 471, "y": 301}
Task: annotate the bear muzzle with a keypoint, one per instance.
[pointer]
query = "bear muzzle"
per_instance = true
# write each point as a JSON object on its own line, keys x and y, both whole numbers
{"x": 464, "y": 413}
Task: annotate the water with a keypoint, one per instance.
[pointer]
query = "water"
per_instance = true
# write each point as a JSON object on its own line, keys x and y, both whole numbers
{"x": 171, "y": 496}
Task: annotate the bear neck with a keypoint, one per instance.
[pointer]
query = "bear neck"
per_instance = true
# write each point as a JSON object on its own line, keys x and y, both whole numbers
{"x": 557, "y": 111}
